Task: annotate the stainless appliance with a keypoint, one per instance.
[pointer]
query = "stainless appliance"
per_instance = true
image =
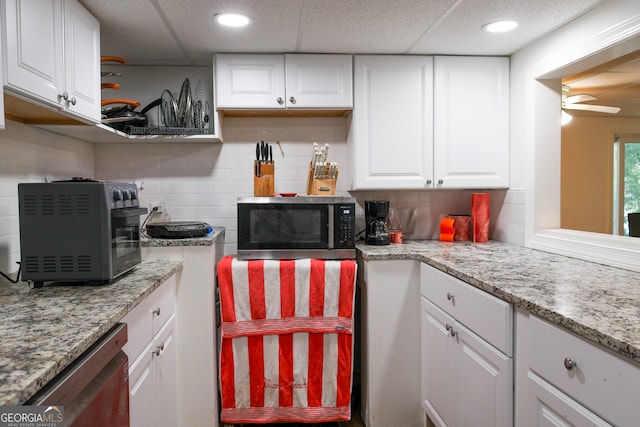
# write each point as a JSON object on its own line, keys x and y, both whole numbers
{"x": 178, "y": 229}
{"x": 375, "y": 212}
{"x": 78, "y": 230}
{"x": 94, "y": 389}
{"x": 296, "y": 227}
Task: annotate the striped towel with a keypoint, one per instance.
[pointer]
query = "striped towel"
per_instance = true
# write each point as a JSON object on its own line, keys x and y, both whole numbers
{"x": 287, "y": 340}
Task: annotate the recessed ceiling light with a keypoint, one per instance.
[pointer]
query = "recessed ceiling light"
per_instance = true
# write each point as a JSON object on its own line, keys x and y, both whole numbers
{"x": 500, "y": 26}
{"x": 233, "y": 19}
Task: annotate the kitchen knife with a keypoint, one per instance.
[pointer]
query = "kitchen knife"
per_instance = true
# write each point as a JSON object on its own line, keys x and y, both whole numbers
{"x": 270, "y": 154}
{"x": 257, "y": 159}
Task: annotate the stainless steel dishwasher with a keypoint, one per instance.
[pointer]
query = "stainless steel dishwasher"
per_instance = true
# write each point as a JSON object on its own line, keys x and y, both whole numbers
{"x": 94, "y": 389}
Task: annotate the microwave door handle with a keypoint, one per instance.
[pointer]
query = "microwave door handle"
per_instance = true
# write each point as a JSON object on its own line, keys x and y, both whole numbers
{"x": 128, "y": 212}
{"x": 330, "y": 226}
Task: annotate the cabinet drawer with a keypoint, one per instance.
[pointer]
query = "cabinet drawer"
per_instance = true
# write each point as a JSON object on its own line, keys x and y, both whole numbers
{"x": 601, "y": 381}
{"x": 484, "y": 314}
{"x": 145, "y": 320}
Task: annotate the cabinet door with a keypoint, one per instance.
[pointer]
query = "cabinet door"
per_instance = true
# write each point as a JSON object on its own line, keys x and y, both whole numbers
{"x": 438, "y": 363}
{"x": 392, "y": 129}
{"x": 82, "y": 61}
{"x": 471, "y": 127}
{"x": 34, "y": 56}
{"x": 484, "y": 382}
{"x": 319, "y": 81}
{"x": 549, "y": 407}
{"x": 250, "y": 81}
{"x": 142, "y": 391}
{"x": 165, "y": 371}
{"x": 2, "y": 36}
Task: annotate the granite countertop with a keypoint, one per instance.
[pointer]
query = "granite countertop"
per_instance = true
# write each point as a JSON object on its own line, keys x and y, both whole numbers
{"x": 43, "y": 330}
{"x": 207, "y": 240}
{"x": 597, "y": 302}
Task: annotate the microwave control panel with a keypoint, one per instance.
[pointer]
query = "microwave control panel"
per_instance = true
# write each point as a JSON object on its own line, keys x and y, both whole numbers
{"x": 344, "y": 226}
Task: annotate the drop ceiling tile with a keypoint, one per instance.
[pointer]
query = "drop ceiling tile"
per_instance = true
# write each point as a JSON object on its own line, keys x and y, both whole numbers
{"x": 460, "y": 33}
{"x": 134, "y": 30}
{"x": 366, "y": 26}
{"x": 274, "y": 27}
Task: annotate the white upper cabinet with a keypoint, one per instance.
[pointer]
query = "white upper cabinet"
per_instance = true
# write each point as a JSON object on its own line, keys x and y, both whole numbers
{"x": 82, "y": 61}
{"x": 319, "y": 81}
{"x": 471, "y": 122}
{"x": 392, "y": 128}
{"x": 53, "y": 56}
{"x": 2, "y": 50}
{"x": 423, "y": 123}
{"x": 291, "y": 81}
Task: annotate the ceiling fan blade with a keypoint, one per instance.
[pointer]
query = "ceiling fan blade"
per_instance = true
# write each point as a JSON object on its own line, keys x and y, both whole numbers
{"x": 583, "y": 97}
{"x": 596, "y": 108}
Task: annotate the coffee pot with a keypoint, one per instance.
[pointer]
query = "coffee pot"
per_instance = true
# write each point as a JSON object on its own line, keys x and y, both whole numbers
{"x": 377, "y": 228}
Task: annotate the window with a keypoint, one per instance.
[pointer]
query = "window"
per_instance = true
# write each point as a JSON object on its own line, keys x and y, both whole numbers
{"x": 626, "y": 181}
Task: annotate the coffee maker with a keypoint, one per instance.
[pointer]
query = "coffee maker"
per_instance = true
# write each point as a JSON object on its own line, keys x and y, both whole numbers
{"x": 376, "y": 212}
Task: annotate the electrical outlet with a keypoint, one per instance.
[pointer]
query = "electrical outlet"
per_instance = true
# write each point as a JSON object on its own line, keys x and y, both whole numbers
{"x": 159, "y": 209}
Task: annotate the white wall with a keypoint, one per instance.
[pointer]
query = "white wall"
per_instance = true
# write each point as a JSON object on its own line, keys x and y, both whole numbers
{"x": 606, "y": 32}
{"x": 28, "y": 154}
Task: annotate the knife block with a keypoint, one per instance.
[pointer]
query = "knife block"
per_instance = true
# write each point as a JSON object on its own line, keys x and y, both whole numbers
{"x": 263, "y": 185}
{"x": 321, "y": 186}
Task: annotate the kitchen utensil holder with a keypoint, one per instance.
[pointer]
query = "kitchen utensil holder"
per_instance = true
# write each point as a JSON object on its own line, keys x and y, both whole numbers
{"x": 321, "y": 186}
{"x": 263, "y": 184}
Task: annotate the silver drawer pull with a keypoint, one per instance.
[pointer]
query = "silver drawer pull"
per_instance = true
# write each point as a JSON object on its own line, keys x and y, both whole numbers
{"x": 452, "y": 331}
{"x": 159, "y": 349}
{"x": 449, "y": 296}
{"x": 156, "y": 311}
{"x": 569, "y": 364}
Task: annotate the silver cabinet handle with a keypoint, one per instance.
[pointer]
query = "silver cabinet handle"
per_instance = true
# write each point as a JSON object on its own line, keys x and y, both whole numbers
{"x": 156, "y": 311}
{"x": 452, "y": 331}
{"x": 159, "y": 349}
{"x": 570, "y": 364}
{"x": 64, "y": 96}
{"x": 280, "y": 101}
{"x": 73, "y": 100}
{"x": 441, "y": 181}
{"x": 429, "y": 181}
{"x": 292, "y": 100}
{"x": 449, "y": 296}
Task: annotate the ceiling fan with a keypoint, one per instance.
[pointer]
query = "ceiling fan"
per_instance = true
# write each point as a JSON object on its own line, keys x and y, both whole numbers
{"x": 574, "y": 102}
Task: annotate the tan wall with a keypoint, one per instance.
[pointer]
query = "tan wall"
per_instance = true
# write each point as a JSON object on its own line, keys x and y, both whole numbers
{"x": 587, "y": 168}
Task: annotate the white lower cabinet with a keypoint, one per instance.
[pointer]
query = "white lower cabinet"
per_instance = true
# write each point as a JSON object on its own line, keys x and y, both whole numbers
{"x": 152, "y": 353}
{"x": 197, "y": 349}
{"x": 389, "y": 293}
{"x": 466, "y": 379}
{"x": 548, "y": 406}
{"x": 568, "y": 381}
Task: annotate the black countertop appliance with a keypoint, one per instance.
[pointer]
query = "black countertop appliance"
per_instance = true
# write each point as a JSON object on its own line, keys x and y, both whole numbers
{"x": 377, "y": 230}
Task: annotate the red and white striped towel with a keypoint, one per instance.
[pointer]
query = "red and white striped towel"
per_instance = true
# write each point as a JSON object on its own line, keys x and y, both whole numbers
{"x": 287, "y": 340}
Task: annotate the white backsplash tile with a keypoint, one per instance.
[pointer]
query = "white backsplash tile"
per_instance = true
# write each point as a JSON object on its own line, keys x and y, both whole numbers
{"x": 198, "y": 181}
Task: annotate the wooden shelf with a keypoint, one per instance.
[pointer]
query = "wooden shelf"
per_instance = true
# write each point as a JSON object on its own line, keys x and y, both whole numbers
{"x": 282, "y": 113}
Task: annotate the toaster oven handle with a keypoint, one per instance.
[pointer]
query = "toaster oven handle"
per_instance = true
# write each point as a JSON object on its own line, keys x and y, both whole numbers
{"x": 128, "y": 212}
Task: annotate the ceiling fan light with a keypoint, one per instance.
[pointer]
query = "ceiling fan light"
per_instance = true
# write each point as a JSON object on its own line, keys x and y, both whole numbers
{"x": 566, "y": 118}
{"x": 500, "y": 26}
{"x": 233, "y": 19}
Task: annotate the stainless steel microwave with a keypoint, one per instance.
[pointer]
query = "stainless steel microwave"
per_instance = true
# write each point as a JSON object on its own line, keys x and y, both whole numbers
{"x": 296, "y": 227}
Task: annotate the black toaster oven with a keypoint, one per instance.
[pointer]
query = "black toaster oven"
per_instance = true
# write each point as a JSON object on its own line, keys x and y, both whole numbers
{"x": 78, "y": 230}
